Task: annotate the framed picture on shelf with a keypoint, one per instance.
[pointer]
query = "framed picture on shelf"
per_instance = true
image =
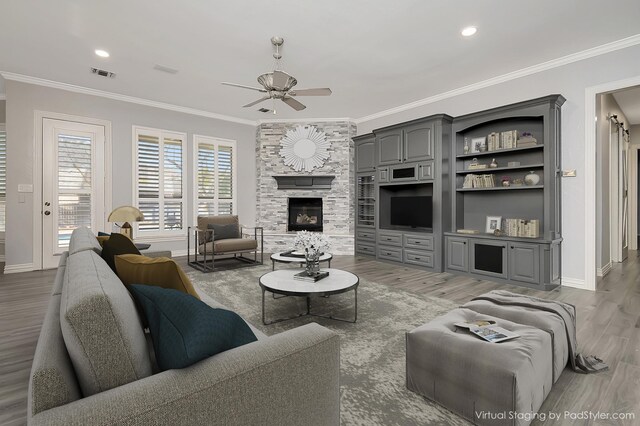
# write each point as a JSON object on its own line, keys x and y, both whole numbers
{"x": 493, "y": 223}
{"x": 479, "y": 144}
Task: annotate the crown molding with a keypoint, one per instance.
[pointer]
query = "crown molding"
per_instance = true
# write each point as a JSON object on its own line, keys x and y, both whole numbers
{"x": 304, "y": 120}
{"x": 119, "y": 97}
{"x": 544, "y": 66}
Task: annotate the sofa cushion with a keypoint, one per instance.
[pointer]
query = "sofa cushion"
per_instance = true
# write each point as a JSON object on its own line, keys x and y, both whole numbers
{"x": 60, "y": 275}
{"x": 159, "y": 271}
{"x": 186, "y": 330}
{"x": 230, "y": 245}
{"x": 52, "y": 381}
{"x": 83, "y": 239}
{"x": 224, "y": 232}
{"x": 101, "y": 327}
{"x": 117, "y": 244}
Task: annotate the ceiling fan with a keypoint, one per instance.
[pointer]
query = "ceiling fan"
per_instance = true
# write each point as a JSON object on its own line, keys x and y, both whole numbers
{"x": 279, "y": 85}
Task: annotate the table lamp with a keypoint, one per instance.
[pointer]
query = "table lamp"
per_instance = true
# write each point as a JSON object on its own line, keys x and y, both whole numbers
{"x": 126, "y": 214}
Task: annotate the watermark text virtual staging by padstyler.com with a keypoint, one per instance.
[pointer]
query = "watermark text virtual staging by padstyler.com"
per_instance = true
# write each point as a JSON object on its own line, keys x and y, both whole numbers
{"x": 555, "y": 415}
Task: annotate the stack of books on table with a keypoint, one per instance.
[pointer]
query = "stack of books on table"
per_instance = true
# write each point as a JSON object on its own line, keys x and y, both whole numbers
{"x": 303, "y": 276}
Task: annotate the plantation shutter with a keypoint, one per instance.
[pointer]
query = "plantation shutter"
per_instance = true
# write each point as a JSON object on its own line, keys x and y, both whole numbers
{"x": 160, "y": 185}
{"x": 215, "y": 176}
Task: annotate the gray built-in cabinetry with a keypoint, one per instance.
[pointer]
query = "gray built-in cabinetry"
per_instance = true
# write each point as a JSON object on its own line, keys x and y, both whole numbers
{"x": 427, "y": 157}
{"x": 409, "y": 159}
{"x": 531, "y": 262}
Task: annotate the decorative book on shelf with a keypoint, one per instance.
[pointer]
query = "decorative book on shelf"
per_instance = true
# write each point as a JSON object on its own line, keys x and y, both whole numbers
{"x": 522, "y": 228}
{"x": 479, "y": 181}
{"x": 468, "y": 231}
{"x": 303, "y": 276}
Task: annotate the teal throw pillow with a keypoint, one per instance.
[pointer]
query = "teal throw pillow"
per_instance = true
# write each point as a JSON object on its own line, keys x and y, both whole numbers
{"x": 186, "y": 330}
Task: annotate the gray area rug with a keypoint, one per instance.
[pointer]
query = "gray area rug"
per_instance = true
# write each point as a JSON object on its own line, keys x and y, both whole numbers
{"x": 372, "y": 350}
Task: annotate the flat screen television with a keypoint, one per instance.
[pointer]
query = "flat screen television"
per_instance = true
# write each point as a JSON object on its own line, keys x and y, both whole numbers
{"x": 412, "y": 211}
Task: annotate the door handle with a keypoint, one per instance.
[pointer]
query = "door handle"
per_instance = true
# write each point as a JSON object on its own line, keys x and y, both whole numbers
{"x": 47, "y": 204}
{"x": 47, "y": 212}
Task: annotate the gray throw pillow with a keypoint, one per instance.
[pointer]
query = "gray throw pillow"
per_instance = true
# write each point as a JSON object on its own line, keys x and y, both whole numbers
{"x": 224, "y": 232}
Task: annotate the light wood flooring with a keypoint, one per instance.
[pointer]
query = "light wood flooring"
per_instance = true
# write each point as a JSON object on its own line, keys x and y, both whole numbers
{"x": 608, "y": 326}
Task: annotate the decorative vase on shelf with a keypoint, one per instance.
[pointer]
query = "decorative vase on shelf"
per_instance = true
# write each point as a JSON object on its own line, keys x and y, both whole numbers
{"x": 532, "y": 179}
{"x": 466, "y": 145}
{"x": 493, "y": 164}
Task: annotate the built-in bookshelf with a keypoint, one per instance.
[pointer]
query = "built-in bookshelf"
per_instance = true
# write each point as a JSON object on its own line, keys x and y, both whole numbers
{"x": 520, "y": 182}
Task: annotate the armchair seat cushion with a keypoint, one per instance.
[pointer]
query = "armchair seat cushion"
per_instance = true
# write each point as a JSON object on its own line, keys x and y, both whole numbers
{"x": 229, "y": 245}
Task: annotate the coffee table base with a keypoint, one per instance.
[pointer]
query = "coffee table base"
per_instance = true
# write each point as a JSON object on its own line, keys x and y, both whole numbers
{"x": 308, "y": 313}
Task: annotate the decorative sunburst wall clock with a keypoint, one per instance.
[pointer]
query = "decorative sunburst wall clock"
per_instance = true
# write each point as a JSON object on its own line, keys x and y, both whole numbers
{"x": 304, "y": 148}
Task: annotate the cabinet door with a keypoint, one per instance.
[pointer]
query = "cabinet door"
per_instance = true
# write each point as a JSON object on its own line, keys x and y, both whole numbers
{"x": 418, "y": 142}
{"x": 457, "y": 254}
{"x": 365, "y": 155}
{"x": 425, "y": 171}
{"x": 488, "y": 257}
{"x": 389, "y": 147}
{"x": 524, "y": 262}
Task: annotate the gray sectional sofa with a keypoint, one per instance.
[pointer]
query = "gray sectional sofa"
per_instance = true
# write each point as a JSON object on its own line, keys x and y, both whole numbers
{"x": 92, "y": 364}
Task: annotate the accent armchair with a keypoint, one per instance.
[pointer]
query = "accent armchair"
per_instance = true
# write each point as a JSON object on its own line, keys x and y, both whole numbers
{"x": 223, "y": 235}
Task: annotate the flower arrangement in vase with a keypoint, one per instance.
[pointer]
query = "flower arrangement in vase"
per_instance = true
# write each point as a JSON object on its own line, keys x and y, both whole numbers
{"x": 312, "y": 243}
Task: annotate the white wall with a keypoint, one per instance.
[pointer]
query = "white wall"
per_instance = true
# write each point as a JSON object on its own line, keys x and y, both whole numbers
{"x": 23, "y": 99}
{"x": 571, "y": 81}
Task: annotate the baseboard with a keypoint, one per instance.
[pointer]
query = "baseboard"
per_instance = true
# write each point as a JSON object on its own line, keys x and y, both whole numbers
{"x": 2, "y": 259}
{"x": 16, "y": 269}
{"x": 178, "y": 253}
{"x": 575, "y": 283}
{"x": 601, "y": 272}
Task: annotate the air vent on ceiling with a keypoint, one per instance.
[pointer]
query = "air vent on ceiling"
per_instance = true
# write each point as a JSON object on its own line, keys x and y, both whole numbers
{"x": 103, "y": 73}
{"x": 264, "y": 110}
{"x": 163, "y": 68}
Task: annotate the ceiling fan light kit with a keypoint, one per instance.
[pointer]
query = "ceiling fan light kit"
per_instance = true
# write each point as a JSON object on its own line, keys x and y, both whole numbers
{"x": 279, "y": 84}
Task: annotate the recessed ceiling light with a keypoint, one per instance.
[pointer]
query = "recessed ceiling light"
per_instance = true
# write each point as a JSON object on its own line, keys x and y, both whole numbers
{"x": 468, "y": 31}
{"x": 102, "y": 53}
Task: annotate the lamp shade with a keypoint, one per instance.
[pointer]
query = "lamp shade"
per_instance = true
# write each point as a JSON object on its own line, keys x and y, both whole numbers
{"x": 126, "y": 214}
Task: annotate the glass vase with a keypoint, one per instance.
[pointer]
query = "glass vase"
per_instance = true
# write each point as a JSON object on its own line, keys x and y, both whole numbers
{"x": 312, "y": 262}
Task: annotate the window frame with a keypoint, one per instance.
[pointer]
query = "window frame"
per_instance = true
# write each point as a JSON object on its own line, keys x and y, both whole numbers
{"x": 216, "y": 142}
{"x": 161, "y": 234}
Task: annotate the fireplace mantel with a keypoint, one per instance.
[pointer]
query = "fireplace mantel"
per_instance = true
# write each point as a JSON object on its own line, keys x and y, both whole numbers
{"x": 304, "y": 181}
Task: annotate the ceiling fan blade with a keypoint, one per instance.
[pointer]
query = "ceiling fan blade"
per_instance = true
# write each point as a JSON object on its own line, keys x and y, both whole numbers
{"x": 280, "y": 79}
{"x": 257, "y": 102}
{"x": 259, "y": 89}
{"x": 325, "y": 91}
{"x": 293, "y": 103}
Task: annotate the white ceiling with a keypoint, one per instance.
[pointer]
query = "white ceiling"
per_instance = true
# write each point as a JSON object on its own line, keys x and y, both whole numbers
{"x": 374, "y": 54}
{"x": 629, "y": 102}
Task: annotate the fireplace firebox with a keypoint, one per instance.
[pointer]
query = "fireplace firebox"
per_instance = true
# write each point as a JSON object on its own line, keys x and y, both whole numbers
{"x": 305, "y": 214}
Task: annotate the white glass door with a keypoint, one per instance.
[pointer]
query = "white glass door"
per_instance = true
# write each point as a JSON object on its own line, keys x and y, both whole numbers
{"x": 72, "y": 183}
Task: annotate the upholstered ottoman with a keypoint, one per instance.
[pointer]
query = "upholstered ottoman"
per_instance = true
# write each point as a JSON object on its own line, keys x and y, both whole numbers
{"x": 487, "y": 383}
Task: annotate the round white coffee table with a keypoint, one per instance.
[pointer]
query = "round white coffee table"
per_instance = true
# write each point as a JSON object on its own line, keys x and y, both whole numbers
{"x": 296, "y": 258}
{"x": 283, "y": 282}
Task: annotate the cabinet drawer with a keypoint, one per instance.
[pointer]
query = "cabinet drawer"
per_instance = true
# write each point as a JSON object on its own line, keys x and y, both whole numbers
{"x": 366, "y": 236}
{"x": 390, "y": 239}
{"x": 418, "y": 258}
{"x": 418, "y": 242}
{"x": 365, "y": 249}
{"x": 390, "y": 253}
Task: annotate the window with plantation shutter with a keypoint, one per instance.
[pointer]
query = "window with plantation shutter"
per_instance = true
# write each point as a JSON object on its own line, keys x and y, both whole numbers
{"x": 160, "y": 181}
{"x": 215, "y": 178}
{"x": 3, "y": 176}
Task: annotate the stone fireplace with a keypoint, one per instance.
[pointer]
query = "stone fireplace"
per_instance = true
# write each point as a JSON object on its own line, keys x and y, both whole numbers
{"x": 305, "y": 214}
{"x": 332, "y": 184}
